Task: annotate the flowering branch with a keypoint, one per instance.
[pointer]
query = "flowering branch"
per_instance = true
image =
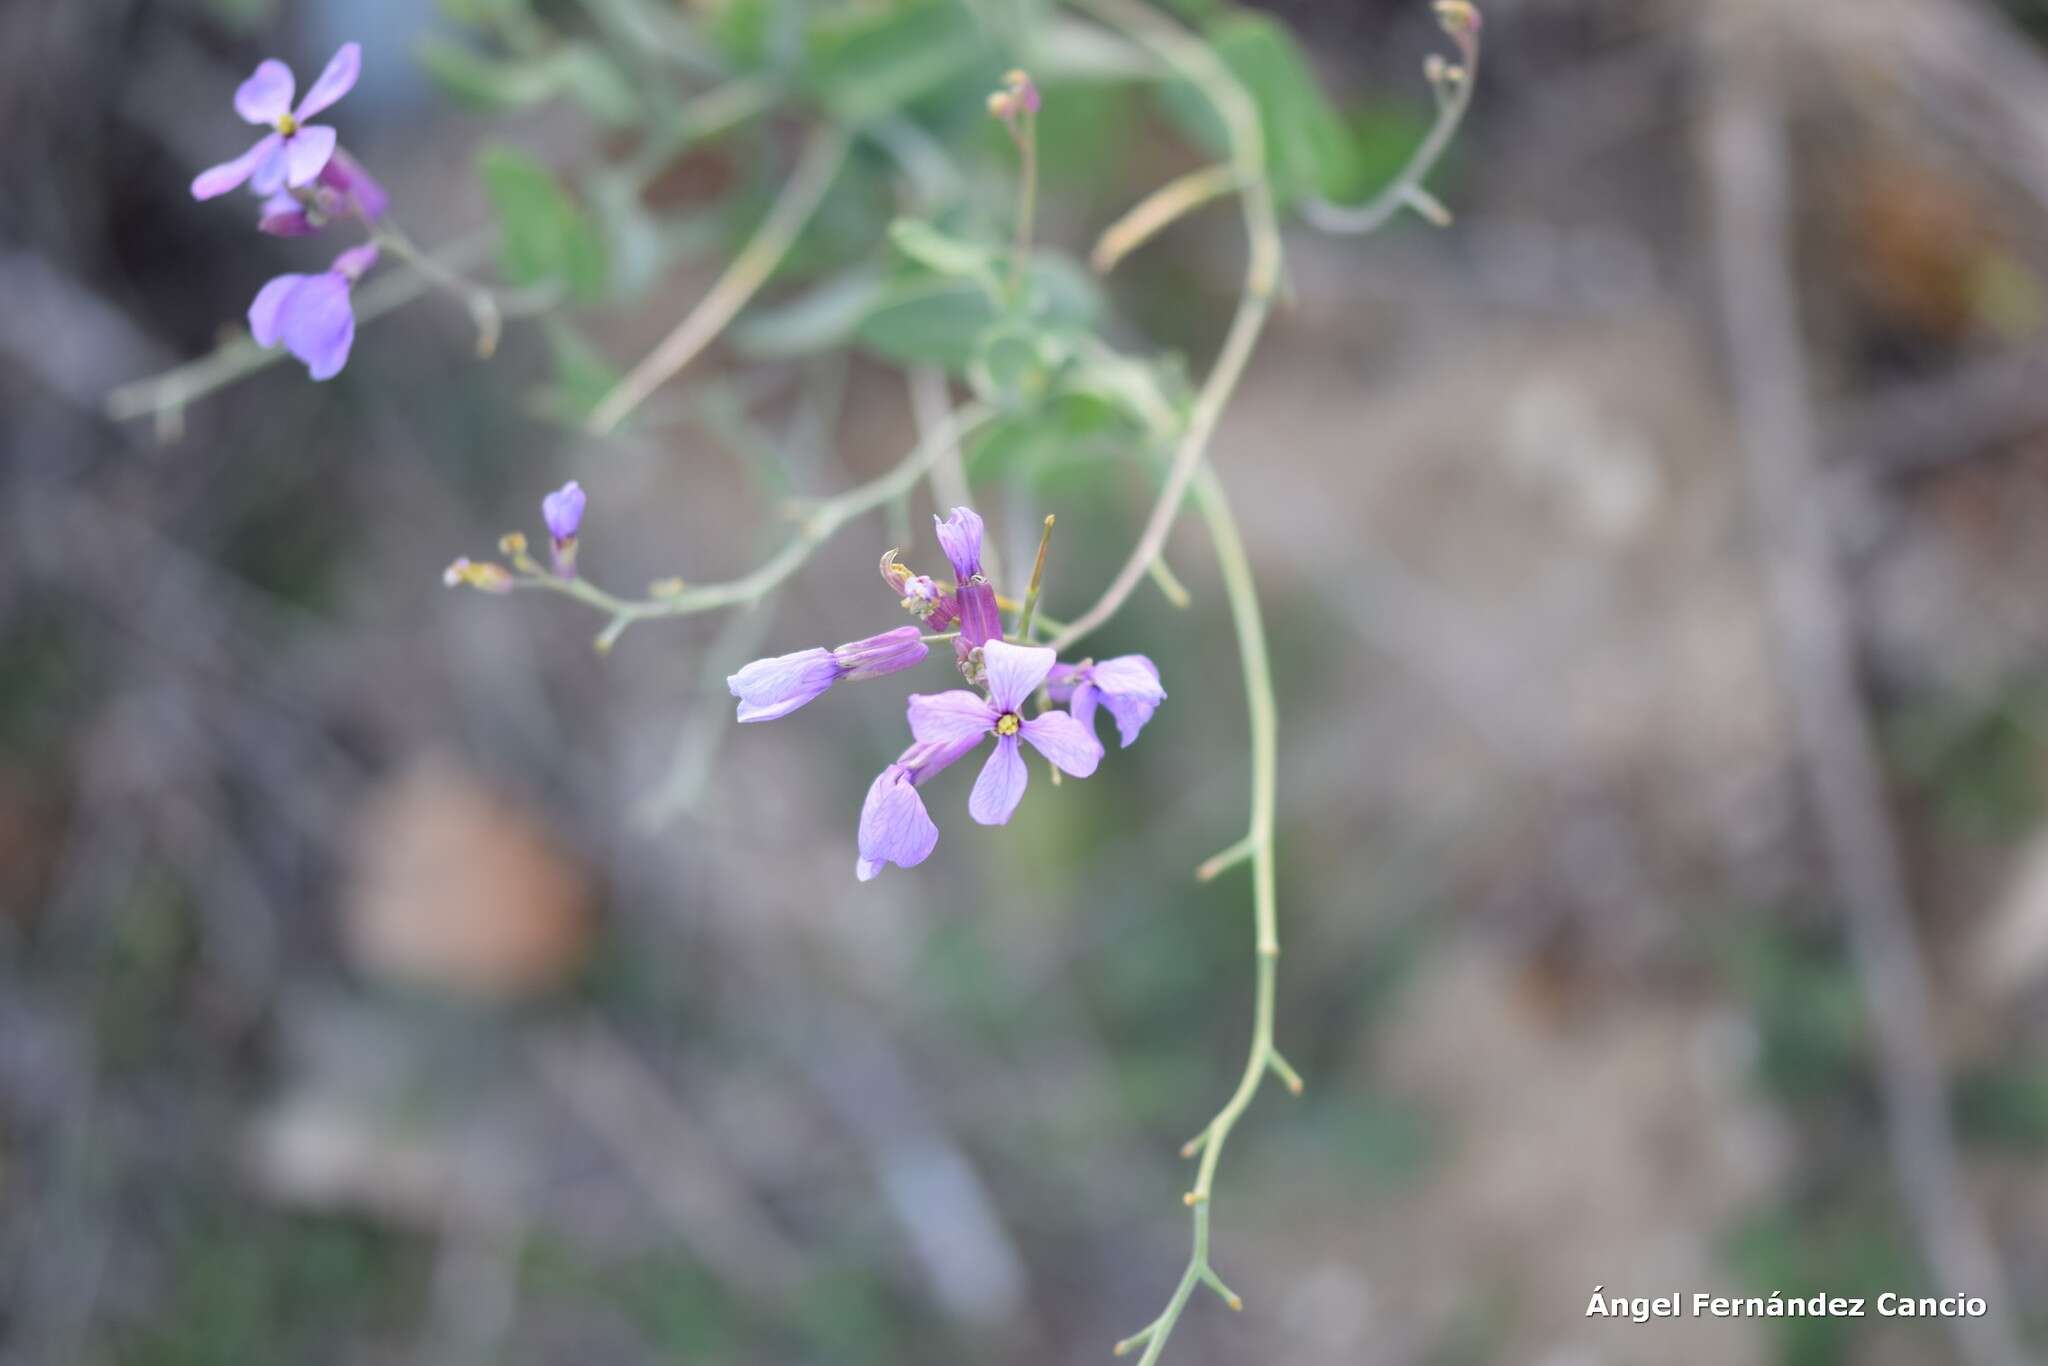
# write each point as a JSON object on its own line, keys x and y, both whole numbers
{"x": 165, "y": 397}
{"x": 815, "y": 172}
{"x": 819, "y": 521}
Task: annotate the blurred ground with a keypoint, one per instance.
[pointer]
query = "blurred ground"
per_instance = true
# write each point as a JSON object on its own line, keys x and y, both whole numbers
{"x": 384, "y": 976}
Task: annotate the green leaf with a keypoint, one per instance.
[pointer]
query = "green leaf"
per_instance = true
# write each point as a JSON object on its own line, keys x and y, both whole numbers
{"x": 943, "y": 253}
{"x": 822, "y": 318}
{"x": 583, "y": 374}
{"x": 1015, "y": 366}
{"x": 927, "y": 319}
{"x": 543, "y": 235}
{"x": 574, "y": 70}
{"x": 1308, "y": 148}
{"x": 941, "y": 319}
{"x": 862, "y": 62}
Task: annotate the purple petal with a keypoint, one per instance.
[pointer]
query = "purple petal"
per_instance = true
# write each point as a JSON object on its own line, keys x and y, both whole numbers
{"x": 1014, "y": 672}
{"x": 1132, "y": 675}
{"x": 925, "y": 759}
{"x": 771, "y": 688}
{"x": 318, "y": 325}
{"x": 355, "y": 262}
{"x": 1001, "y": 784}
{"x": 337, "y": 80}
{"x": 268, "y": 177}
{"x": 1082, "y": 704}
{"x": 215, "y": 181}
{"x": 894, "y": 826}
{"x": 264, "y": 312}
{"x": 266, "y": 96}
{"x": 346, "y": 176}
{"x": 1073, "y": 749}
{"x": 1131, "y": 714}
{"x": 562, "y": 510}
{"x": 306, "y": 153}
{"x": 980, "y": 622}
{"x": 960, "y": 538}
{"x": 284, "y": 216}
{"x": 887, "y": 653}
{"x": 1131, "y": 690}
{"x": 1062, "y": 680}
{"x": 947, "y": 719}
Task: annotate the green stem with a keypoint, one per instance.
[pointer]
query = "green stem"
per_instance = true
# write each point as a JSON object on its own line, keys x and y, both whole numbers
{"x": 1193, "y": 60}
{"x": 482, "y": 304}
{"x": 800, "y": 198}
{"x": 1023, "y": 631}
{"x": 820, "y": 520}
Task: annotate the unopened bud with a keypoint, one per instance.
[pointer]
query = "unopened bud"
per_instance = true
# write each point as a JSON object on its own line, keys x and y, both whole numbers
{"x": 485, "y": 577}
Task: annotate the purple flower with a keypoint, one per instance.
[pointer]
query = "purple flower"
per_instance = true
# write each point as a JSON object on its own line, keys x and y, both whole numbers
{"x": 342, "y": 188}
{"x": 295, "y": 152}
{"x": 772, "y": 688}
{"x": 894, "y": 827}
{"x": 960, "y": 538}
{"x": 1128, "y": 685}
{"x": 920, "y": 594}
{"x": 562, "y": 510}
{"x": 311, "y": 314}
{"x": 959, "y": 719}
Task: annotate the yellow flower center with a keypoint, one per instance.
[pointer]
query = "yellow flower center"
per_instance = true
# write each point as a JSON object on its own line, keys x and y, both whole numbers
{"x": 287, "y": 124}
{"x": 1009, "y": 723}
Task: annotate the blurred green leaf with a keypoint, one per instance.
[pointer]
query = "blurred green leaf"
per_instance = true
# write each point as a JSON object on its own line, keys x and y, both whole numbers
{"x": 825, "y": 316}
{"x": 1014, "y": 366}
{"x": 582, "y": 374}
{"x": 944, "y": 254}
{"x": 1308, "y": 148}
{"x": 937, "y": 319}
{"x": 862, "y": 62}
{"x": 543, "y": 235}
{"x": 576, "y": 71}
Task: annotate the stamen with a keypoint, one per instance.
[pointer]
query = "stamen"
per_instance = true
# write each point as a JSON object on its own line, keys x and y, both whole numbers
{"x": 1009, "y": 723}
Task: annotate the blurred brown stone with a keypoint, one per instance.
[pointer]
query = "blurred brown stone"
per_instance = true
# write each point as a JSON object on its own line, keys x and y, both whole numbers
{"x": 457, "y": 888}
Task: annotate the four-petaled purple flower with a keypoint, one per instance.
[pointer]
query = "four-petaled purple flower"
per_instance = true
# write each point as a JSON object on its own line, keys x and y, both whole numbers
{"x": 771, "y": 688}
{"x": 562, "y": 510}
{"x": 1128, "y": 685}
{"x": 311, "y": 314}
{"x": 960, "y": 538}
{"x": 950, "y": 719}
{"x": 294, "y": 152}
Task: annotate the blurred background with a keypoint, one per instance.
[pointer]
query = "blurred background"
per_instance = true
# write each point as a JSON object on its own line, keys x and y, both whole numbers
{"x": 385, "y": 976}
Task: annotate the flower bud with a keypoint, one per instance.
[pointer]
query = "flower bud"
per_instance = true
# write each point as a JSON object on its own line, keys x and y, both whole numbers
{"x": 888, "y": 653}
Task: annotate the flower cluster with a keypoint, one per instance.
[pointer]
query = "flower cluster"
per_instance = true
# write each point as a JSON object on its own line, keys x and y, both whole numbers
{"x": 946, "y": 727}
{"x": 562, "y": 513}
{"x": 305, "y": 181}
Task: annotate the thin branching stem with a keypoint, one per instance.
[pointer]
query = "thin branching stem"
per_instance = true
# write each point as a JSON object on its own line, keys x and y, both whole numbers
{"x": 479, "y": 300}
{"x": 819, "y": 520}
{"x": 793, "y": 208}
{"x": 1193, "y": 59}
{"x": 1453, "y": 85}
